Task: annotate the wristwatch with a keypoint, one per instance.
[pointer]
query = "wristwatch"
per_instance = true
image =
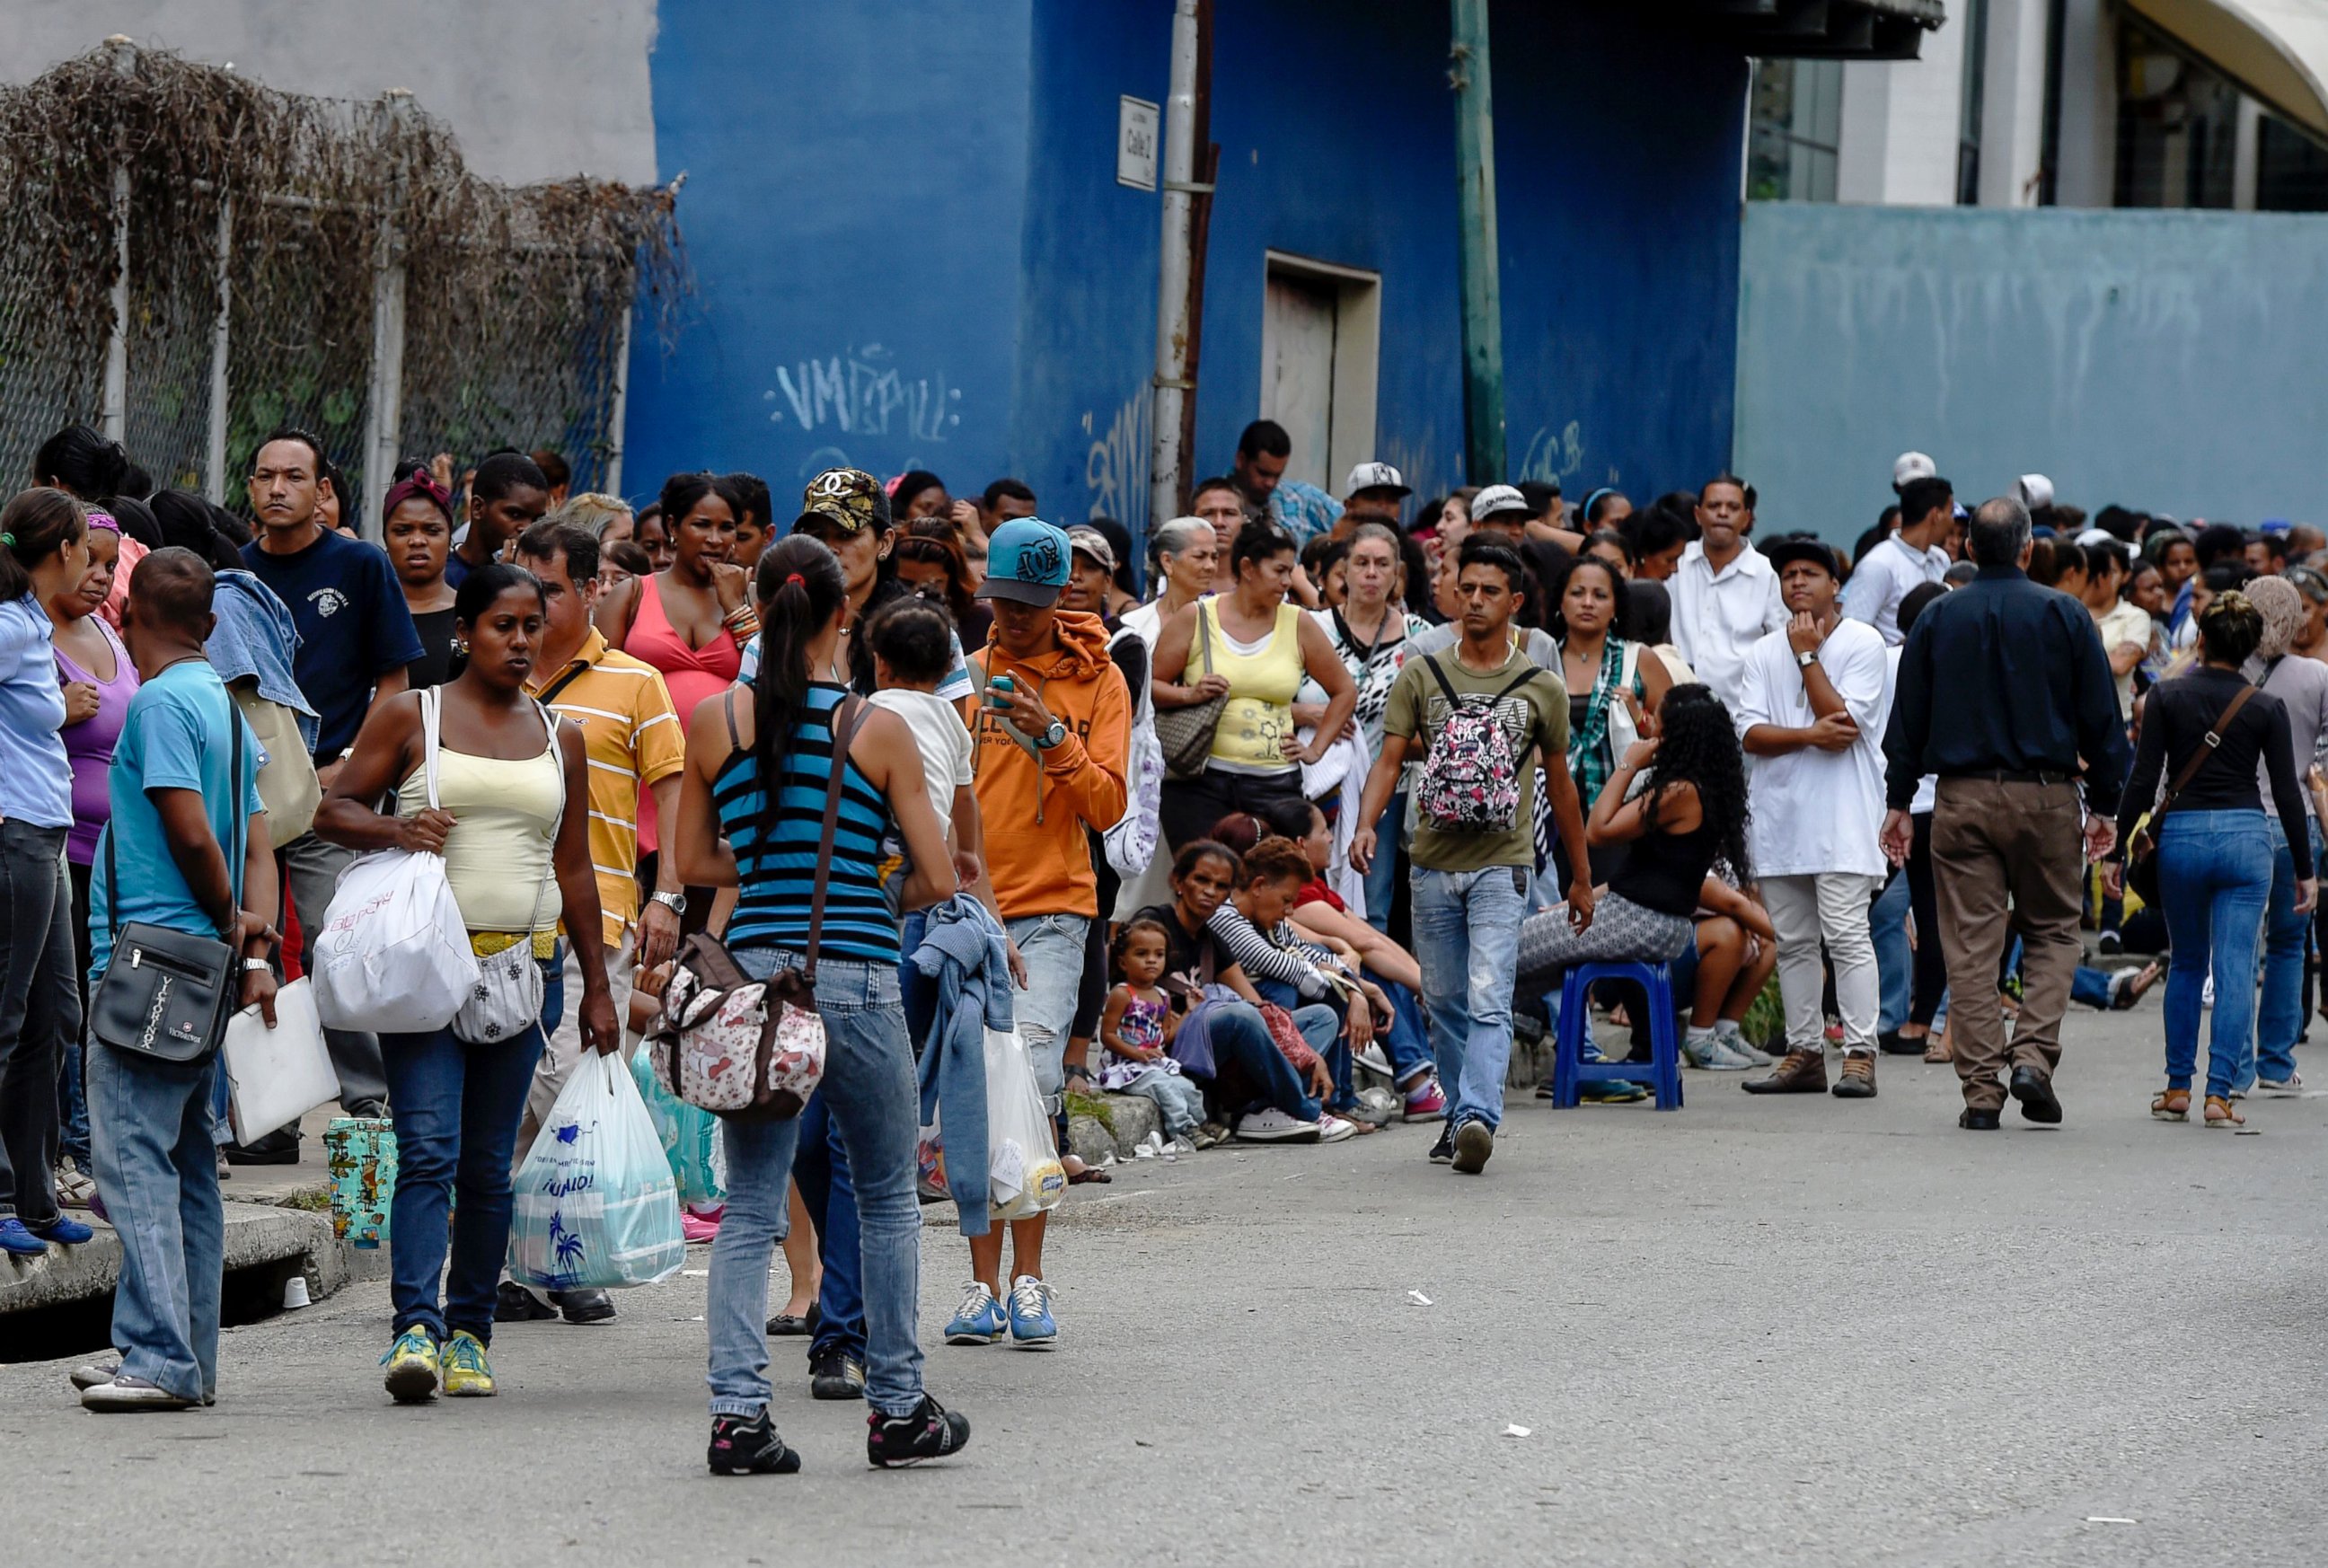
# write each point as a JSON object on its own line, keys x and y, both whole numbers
{"x": 675, "y": 902}
{"x": 253, "y": 965}
{"x": 1805, "y": 661}
{"x": 1053, "y": 735}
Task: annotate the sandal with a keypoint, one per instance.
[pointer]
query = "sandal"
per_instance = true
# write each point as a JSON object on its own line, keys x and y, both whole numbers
{"x": 2221, "y": 1113}
{"x": 1937, "y": 1049}
{"x": 2172, "y": 1105}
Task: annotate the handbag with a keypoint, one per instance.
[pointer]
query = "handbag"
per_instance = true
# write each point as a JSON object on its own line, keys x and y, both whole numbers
{"x": 2142, "y": 844}
{"x": 167, "y": 994}
{"x": 748, "y": 1048}
{"x": 506, "y": 999}
{"x": 1186, "y": 734}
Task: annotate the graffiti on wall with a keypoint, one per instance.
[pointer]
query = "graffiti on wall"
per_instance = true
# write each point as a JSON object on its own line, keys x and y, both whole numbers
{"x": 1115, "y": 465}
{"x": 859, "y": 392}
{"x": 1553, "y": 457}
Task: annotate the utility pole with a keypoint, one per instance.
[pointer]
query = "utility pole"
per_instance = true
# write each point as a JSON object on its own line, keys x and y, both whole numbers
{"x": 1475, "y": 173}
{"x": 1171, "y": 383}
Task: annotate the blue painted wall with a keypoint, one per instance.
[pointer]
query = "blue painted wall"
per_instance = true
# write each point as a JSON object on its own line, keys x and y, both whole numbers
{"x": 2167, "y": 360}
{"x": 893, "y": 176}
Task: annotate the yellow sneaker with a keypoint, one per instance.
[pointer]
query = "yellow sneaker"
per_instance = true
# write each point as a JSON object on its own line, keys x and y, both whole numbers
{"x": 467, "y": 1376}
{"x": 412, "y": 1364}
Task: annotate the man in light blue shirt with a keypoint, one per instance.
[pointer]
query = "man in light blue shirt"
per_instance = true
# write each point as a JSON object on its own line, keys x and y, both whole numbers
{"x": 1303, "y": 510}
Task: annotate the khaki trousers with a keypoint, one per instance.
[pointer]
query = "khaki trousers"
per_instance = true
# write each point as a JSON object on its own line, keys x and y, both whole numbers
{"x": 2006, "y": 858}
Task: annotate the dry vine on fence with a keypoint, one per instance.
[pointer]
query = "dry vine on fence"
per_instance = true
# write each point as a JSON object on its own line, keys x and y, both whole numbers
{"x": 518, "y": 297}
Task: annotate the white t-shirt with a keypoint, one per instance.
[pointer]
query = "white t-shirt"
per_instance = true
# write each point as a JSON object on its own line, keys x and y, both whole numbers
{"x": 944, "y": 741}
{"x": 1718, "y": 616}
{"x": 1818, "y": 811}
{"x": 1891, "y": 571}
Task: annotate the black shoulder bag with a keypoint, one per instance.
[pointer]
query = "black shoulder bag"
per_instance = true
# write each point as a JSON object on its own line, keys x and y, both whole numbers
{"x": 168, "y": 994}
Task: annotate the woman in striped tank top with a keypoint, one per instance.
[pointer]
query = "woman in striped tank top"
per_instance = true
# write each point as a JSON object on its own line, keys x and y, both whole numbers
{"x": 777, "y": 733}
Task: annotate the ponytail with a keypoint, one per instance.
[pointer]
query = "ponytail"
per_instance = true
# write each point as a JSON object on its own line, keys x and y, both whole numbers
{"x": 800, "y": 587}
{"x": 34, "y": 526}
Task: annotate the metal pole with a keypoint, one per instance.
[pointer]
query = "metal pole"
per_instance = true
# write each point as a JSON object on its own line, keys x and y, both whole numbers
{"x": 1166, "y": 457}
{"x": 116, "y": 345}
{"x": 1475, "y": 172}
{"x": 214, "y": 468}
{"x": 621, "y": 409}
{"x": 384, "y": 406}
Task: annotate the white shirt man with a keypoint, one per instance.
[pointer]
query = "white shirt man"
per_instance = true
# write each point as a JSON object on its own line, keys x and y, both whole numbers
{"x": 1725, "y": 595}
{"x": 1908, "y": 560}
{"x": 1811, "y": 713}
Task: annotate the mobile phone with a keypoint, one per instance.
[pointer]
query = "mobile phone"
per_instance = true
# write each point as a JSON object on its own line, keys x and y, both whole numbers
{"x": 998, "y": 691}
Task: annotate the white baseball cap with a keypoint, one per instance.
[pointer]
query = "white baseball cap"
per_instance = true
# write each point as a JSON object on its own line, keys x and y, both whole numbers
{"x": 1910, "y": 466}
{"x": 1496, "y": 499}
{"x": 2036, "y": 491}
{"x": 1376, "y": 476}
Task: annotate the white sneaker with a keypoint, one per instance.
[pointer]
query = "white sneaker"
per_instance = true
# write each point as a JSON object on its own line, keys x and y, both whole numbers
{"x": 88, "y": 1377}
{"x": 1275, "y": 1126}
{"x": 1333, "y": 1129}
{"x": 132, "y": 1393}
{"x": 1737, "y": 1043}
{"x": 1711, "y": 1054}
{"x": 2288, "y": 1088}
{"x": 1373, "y": 1060}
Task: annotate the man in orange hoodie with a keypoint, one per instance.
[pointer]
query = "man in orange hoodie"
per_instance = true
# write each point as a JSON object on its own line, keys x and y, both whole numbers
{"x": 1053, "y": 729}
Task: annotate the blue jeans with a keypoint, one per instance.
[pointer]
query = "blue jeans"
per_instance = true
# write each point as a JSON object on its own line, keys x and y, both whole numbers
{"x": 457, "y": 1107}
{"x": 2214, "y": 880}
{"x": 2091, "y": 987}
{"x": 1895, "y": 960}
{"x": 1053, "y": 948}
{"x": 1249, "y": 1072}
{"x": 820, "y": 1170}
{"x": 1467, "y": 939}
{"x": 1382, "y": 877}
{"x": 157, "y": 1172}
{"x": 1321, "y": 1027}
{"x": 2279, "y": 1016}
{"x": 868, "y": 1093}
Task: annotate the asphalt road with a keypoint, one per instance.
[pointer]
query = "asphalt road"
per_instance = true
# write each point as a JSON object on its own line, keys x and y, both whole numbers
{"x": 1799, "y": 1332}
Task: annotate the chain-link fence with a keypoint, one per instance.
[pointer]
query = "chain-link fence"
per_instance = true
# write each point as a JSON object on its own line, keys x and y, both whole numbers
{"x": 294, "y": 260}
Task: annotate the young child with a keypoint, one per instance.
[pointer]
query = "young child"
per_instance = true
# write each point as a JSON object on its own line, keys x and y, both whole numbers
{"x": 913, "y": 649}
{"x": 1136, "y": 1026}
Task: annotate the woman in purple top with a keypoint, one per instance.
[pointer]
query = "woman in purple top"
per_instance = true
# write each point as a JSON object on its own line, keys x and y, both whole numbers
{"x": 99, "y": 681}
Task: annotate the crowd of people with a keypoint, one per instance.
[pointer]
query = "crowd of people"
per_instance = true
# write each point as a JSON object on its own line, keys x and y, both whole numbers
{"x": 1287, "y": 833}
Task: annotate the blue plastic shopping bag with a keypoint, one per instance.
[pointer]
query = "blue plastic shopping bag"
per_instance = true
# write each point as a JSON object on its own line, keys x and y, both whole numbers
{"x": 596, "y": 1206}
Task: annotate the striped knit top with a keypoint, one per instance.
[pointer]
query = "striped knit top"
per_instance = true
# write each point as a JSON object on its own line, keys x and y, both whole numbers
{"x": 778, "y": 874}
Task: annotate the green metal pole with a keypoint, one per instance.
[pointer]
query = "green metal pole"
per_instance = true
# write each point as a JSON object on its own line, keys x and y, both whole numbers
{"x": 1483, "y": 311}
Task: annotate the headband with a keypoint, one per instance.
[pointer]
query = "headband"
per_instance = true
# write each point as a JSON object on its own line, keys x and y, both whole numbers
{"x": 1593, "y": 500}
{"x": 420, "y": 483}
{"x": 104, "y": 520}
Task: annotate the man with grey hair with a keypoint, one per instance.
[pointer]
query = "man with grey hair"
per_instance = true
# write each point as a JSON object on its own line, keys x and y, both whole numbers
{"x": 2004, "y": 693}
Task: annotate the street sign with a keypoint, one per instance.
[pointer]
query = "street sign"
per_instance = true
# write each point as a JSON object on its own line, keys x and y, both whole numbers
{"x": 1137, "y": 123}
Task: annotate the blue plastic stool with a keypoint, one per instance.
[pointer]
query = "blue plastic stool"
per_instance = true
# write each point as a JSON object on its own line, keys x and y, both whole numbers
{"x": 1570, "y": 1070}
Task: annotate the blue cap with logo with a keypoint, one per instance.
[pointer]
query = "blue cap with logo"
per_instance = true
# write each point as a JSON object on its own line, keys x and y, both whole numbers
{"x": 1025, "y": 562}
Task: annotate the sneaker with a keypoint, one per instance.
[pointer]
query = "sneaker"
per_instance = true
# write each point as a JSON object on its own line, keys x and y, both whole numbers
{"x": 74, "y": 1186}
{"x": 1032, "y": 1327}
{"x": 1707, "y": 1051}
{"x": 1443, "y": 1152}
{"x": 124, "y": 1395}
{"x": 467, "y": 1374}
{"x": 1611, "y": 1091}
{"x": 64, "y": 1230}
{"x": 1727, "y": 1031}
{"x": 412, "y": 1364}
{"x": 1428, "y": 1103}
{"x": 2108, "y": 942}
{"x": 748, "y": 1446}
{"x": 17, "y": 1241}
{"x": 1269, "y": 1126}
{"x": 1373, "y": 1060}
{"x": 834, "y": 1374}
{"x": 2288, "y": 1088}
{"x": 514, "y": 1303}
{"x": 97, "y": 1372}
{"x": 929, "y": 1432}
{"x": 1334, "y": 1129}
{"x": 1475, "y": 1140}
{"x": 1208, "y": 1135}
{"x": 979, "y": 1320}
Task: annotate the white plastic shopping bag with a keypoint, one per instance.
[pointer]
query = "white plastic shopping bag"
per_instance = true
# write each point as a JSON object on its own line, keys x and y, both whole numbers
{"x": 1024, "y": 1175}
{"x": 393, "y": 956}
{"x": 277, "y": 1075}
{"x": 595, "y": 1204}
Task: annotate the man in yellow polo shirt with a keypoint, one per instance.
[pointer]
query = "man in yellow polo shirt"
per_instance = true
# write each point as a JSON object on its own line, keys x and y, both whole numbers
{"x": 632, "y": 740}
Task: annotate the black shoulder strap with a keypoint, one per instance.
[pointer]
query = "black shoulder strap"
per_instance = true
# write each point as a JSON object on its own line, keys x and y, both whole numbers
{"x": 1453, "y": 699}
{"x": 845, "y": 716}
{"x": 549, "y": 693}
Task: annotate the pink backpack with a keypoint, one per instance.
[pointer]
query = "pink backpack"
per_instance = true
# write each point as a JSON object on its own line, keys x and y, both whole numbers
{"x": 1470, "y": 779}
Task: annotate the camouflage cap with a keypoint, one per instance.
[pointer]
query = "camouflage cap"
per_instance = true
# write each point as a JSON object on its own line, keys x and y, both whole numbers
{"x": 849, "y": 498}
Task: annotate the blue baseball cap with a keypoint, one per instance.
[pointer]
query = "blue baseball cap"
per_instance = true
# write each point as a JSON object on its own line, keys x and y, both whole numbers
{"x": 1025, "y": 562}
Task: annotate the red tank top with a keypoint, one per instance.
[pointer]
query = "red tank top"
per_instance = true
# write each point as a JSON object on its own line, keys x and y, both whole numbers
{"x": 691, "y": 674}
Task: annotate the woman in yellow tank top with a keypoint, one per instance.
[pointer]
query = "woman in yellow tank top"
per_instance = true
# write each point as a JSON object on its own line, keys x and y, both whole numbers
{"x": 517, "y": 851}
{"x": 1253, "y": 647}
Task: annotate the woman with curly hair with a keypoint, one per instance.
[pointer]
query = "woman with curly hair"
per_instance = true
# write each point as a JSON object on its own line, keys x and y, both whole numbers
{"x": 1688, "y": 815}
{"x": 2214, "y": 847}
